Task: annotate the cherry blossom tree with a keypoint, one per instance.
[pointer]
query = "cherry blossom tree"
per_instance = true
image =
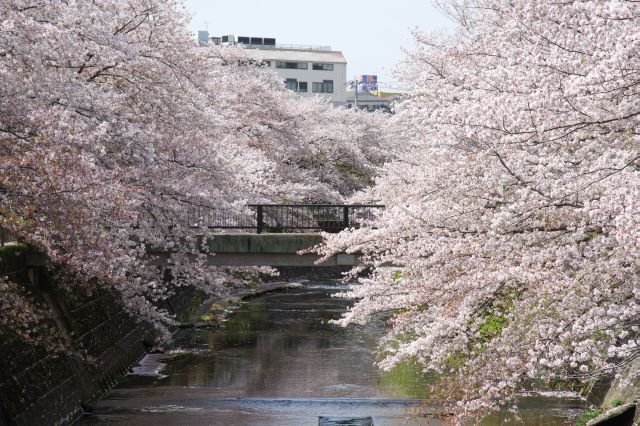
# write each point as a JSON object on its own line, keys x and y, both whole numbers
{"x": 113, "y": 123}
{"x": 510, "y": 247}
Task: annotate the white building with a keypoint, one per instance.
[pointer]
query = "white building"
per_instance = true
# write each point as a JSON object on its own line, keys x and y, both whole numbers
{"x": 308, "y": 70}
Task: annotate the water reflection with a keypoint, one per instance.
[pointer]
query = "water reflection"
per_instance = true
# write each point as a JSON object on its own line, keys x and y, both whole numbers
{"x": 282, "y": 344}
{"x": 278, "y": 361}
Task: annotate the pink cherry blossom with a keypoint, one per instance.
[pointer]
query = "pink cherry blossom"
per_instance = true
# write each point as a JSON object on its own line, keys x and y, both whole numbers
{"x": 516, "y": 200}
{"x": 113, "y": 123}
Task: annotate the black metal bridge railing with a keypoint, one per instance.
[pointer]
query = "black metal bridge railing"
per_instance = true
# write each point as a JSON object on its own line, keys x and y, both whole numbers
{"x": 287, "y": 217}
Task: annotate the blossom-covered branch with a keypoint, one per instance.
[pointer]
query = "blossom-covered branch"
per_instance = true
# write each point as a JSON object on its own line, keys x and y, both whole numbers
{"x": 510, "y": 249}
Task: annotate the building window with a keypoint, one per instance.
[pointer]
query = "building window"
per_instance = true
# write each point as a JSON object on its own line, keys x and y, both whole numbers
{"x": 323, "y": 67}
{"x": 292, "y": 84}
{"x": 292, "y": 65}
{"x": 325, "y": 87}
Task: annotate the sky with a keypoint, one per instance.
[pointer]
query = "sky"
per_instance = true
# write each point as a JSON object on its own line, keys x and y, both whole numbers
{"x": 369, "y": 33}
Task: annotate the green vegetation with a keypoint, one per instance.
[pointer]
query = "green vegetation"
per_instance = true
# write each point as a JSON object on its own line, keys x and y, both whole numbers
{"x": 218, "y": 312}
{"x": 616, "y": 402}
{"x": 242, "y": 327}
{"x": 408, "y": 379}
{"x": 198, "y": 298}
{"x": 495, "y": 317}
{"x": 492, "y": 327}
{"x": 590, "y": 413}
{"x": 457, "y": 360}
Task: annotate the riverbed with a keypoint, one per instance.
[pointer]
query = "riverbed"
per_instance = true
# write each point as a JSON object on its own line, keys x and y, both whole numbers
{"x": 278, "y": 360}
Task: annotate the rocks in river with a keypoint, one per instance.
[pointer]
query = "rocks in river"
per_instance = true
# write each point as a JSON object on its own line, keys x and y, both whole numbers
{"x": 345, "y": 421}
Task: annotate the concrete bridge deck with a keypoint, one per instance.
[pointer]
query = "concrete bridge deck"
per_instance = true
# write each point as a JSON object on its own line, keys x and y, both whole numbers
{"x": 245, "y": 249}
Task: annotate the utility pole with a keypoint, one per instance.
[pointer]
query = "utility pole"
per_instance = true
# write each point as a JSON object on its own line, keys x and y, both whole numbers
{"x": 356, "y": 100}
{"x": 352, "y": 83}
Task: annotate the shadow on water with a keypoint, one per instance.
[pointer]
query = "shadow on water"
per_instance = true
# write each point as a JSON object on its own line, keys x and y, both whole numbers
{"x": 279, "y": 361}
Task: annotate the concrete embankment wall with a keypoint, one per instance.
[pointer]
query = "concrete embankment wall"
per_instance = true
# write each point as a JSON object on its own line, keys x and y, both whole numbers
{"x": 45, "y": 387}
{"x": 621, "y": 403}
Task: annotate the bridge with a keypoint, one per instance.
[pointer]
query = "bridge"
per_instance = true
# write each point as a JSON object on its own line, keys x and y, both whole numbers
{"x": 279, "y": 218}
{"x": 281, "y": 231}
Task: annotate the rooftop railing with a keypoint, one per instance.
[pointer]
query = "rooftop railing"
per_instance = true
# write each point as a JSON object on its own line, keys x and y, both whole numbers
{"x": 288, "y": 47}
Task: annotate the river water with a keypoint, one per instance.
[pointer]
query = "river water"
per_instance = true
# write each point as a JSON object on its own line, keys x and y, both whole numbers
{"x": 278, "y": 361}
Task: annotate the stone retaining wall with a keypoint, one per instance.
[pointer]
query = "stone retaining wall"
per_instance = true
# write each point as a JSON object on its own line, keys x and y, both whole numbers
{"x": 40, "y": 387}
{"x": 623, "y": 391}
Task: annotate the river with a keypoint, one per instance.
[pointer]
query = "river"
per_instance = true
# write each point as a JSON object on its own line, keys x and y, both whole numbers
{"x": 278, "y": 361}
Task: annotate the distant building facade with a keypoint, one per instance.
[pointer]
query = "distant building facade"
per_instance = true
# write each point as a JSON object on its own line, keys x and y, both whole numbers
{"x": 308, "y": 70}
{"x": 373, "y": 100}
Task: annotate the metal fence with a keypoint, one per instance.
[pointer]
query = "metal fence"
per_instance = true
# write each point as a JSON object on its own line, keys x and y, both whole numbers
{"x": 287, "y": 217}
{"x": 199, "y": 216}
